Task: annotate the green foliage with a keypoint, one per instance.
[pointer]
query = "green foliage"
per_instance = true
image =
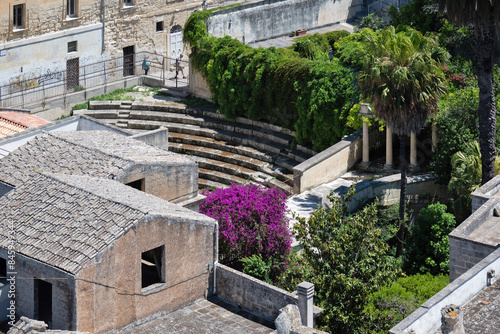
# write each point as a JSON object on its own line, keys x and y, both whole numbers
{"x": 311, "y": 94}
{"x": 465, "y": 178}
{"x": 456, "y": 125}
{"x": 418, "y": 14}
{"x": 373, "y": 21}
{"x": 389, "y": 224}
{"x": 459, "y": 41}
{"x": 402, "y": 76}
{"x": 336, "y": 35}
{"x": 255, "y": 266}
{"x": 346, "y": 259}
{"x": 117, "y": 95}
{"x": 427, "y": 248}
{"x": 351, "y": 49}
{"x": 391, "y": 304}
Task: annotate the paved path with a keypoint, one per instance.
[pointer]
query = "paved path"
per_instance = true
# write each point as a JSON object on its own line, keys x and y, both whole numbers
{"x": 204, "y": 317}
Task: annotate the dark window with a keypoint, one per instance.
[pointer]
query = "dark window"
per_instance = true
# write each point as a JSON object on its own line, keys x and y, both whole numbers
{"x": 18, "y": 19}
{"x": 72, "y": 46}
{"x": 128, "y": 3}
{"x": 71, "y": 8}
{"x": 159, "y": 26}
{"x": 138, "y": 184}
{"x": 72, "y": 73}
{"x": 3, "y": 268}
{"x": 152, "y": 267}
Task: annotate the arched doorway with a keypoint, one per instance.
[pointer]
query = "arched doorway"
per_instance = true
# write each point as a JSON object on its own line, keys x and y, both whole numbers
{"x": 176, "y": 45}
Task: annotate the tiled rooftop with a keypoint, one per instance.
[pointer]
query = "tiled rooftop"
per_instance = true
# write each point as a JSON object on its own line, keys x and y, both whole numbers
{"x": 58, "y": 221}
{"x": 482, "y": 314}
{"x": 98, "y": 153}
{"x": 204, "y": 317}
{"x": 15, "y": 122}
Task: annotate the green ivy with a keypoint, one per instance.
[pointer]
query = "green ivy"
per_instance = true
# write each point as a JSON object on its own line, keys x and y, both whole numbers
{"x": 311, "y": 95}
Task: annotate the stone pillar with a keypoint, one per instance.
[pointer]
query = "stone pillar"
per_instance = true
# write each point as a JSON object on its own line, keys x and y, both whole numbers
{"x": 452, "y": 320}
{"x": 413, "y": 151}
{"x": 306, "y": 292}
{"x": 434, "y": 136}
{"x": 366, "y": 145}
{"x": 388, "y": 148}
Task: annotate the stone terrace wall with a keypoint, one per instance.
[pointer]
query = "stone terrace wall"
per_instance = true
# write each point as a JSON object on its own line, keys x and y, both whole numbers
{"x": 253, "y": 294}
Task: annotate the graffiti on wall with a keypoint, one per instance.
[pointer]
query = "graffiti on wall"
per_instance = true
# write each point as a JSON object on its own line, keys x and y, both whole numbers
{"x": 31, "y": 80}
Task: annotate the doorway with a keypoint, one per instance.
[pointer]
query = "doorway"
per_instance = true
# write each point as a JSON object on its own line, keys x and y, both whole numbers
{"x": 128, "y": 60}
{"x": 43, "y": 301}
{"x": 72, "y": 73}
{"x": 175, "y": 43}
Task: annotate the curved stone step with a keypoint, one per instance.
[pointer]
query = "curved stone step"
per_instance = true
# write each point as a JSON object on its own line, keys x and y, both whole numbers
{"x": 210, "y": 185}
{"x": 220, "y": 177}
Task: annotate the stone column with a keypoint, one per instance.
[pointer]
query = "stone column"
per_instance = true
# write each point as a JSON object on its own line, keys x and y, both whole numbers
{"x": 452, "y": 320}
{"x": 388, "y": 148}
{"x": 306, "y": 292}
{"x": 366, "y": 145}
{"x": 434, "y": 136}
{"x": 413, "y": 151}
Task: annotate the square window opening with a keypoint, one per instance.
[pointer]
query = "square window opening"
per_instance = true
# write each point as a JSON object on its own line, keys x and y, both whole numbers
{"x": 128, "y": 3}
{"x": 159, "y": 26}
{"x": 3, "y": 268}
{"x": 18, "y": 16}
{"x": 152, "y": 263}
{"x": 72, "y": 46}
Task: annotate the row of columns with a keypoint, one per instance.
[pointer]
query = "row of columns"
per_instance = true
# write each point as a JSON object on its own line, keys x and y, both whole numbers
{"x": 365, "y": 111}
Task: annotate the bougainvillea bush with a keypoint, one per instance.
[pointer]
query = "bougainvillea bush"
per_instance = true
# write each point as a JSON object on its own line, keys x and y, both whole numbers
{"x": 252, "y": 220}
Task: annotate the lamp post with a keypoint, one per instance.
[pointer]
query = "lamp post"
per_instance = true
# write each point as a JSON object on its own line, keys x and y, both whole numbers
{"x": 365, "y": 112}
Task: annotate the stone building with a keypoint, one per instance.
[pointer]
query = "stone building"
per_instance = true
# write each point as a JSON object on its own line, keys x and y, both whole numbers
{"x": 96, "y": 244}
{"x": 94, "y": 255}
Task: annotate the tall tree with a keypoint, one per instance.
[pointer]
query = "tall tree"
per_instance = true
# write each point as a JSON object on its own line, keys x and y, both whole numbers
{"x": 484, "y": 16}
{"x": 402, "y": 77}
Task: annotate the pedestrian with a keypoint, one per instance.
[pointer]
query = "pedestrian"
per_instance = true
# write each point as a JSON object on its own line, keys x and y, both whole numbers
{"x": 179, "y": 66}
{"x": 145, "y": 66}
{"x": 330, "y": 54}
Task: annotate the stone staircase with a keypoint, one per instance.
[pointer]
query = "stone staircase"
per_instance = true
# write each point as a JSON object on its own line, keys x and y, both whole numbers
{"x": 228, "y": 152}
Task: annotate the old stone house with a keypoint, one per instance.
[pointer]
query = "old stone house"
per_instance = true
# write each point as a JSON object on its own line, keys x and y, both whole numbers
{"x": 94, "y": 255}
{"x": 96, "y": 248}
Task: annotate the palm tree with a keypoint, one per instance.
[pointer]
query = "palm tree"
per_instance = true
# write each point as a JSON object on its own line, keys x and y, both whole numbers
{"x": 402, "y": 77}
{"x": 484, "y": 16}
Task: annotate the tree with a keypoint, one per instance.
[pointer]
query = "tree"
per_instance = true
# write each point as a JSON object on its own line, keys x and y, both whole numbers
{"x": 428, "y": 249}
{"x": 484, "y": 16}
{"x": 402, "y": 77}
{"x": 345, "y": 258}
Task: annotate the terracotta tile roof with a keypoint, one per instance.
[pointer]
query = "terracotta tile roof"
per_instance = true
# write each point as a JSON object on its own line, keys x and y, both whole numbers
{"x": 15, "y": 122}
{"x": 98, "y": 153}
{"x": 66, "y": 220}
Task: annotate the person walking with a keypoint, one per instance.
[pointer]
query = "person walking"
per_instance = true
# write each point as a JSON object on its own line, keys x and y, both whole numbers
{"x": 180, "y": 67}
{"x": 145, "y": 66}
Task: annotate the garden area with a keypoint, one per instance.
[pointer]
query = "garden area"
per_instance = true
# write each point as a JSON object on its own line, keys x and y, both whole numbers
{"x": 370, "y": 268}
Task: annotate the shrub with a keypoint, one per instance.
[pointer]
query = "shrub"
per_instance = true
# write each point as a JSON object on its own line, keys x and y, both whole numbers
{"x": 427, "y": 248}
{"x": 252, "y": 220}
{"x": 391, "y": 304}
{"x": 336, "y": 35}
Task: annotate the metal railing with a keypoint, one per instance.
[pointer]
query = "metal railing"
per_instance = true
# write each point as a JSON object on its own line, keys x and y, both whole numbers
{"x": 30, "y": 89}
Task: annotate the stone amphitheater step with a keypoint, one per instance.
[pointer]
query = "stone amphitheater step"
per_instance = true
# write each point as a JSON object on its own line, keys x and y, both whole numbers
{"x": 227, "y": 152}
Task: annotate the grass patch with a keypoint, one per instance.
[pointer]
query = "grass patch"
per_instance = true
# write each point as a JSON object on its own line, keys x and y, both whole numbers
{"x": 117, "y": 95}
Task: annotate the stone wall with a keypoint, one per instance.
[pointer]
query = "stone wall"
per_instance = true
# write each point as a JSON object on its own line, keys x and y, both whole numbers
{"x": 109, "y": 290}
{"x": 253, "y": 294}
{"x": 465, "y": 252}
{"x": 259, "y": 20}
{"x": 63, "y": 290}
